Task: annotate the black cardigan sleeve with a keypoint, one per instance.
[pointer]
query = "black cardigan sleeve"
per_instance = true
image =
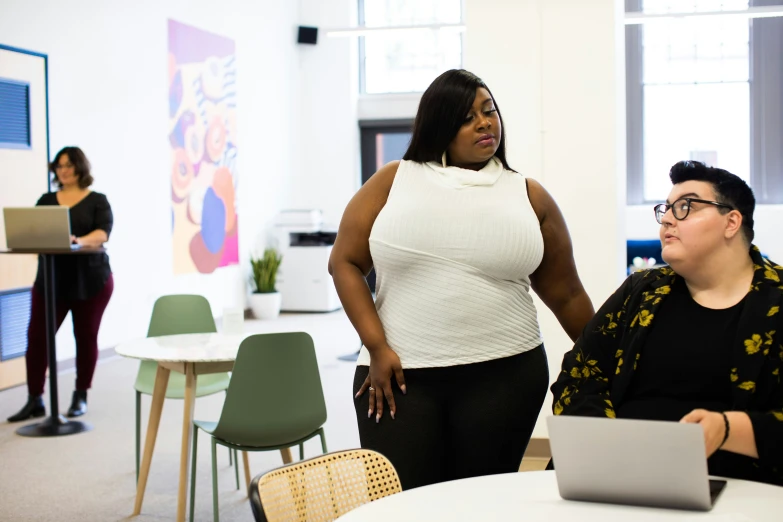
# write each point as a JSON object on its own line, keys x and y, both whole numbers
{"x": 583, "y": 386}
{"x": 768, "y": 425}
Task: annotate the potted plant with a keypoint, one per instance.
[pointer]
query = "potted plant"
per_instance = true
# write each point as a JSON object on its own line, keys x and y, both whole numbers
{"x": 265, "y": 300}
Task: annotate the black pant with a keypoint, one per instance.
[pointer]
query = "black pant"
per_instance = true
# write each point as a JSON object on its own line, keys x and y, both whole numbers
{"x": 458, "y": 421}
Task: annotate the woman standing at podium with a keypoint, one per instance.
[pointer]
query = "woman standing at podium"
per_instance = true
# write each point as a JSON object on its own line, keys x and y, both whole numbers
{"x": 83, "y": 283}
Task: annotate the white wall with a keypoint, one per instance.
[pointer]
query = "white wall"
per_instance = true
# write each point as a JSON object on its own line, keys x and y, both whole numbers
{"x": 108, "y": 94}
{"x": 556, "y": 69}
{"x": 328, "y": 131}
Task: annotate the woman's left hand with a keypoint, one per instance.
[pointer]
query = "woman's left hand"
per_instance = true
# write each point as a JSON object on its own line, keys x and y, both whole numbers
{"x": 713, "y": 425}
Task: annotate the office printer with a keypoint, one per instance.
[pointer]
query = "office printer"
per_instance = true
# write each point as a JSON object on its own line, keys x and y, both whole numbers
{"x": 303, "y": 279}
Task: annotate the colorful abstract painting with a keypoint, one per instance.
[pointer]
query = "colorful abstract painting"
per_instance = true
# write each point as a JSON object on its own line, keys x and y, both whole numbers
{"x": 203, "y": 140}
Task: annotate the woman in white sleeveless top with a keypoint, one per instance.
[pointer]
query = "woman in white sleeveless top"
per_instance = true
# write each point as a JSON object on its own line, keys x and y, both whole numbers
{"x": 457, "y": 239}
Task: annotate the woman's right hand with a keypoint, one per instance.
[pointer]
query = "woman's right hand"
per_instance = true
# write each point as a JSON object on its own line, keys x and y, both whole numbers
{"x": 384, "y": 363}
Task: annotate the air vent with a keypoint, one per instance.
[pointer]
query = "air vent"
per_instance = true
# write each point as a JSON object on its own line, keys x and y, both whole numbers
{"x": 14, "y": 319}
{"x": 14, "y": 114}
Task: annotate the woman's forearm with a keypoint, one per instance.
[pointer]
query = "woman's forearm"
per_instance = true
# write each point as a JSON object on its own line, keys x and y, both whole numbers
{"x": 357, "y": 301}
{"x": 741, "y": 439}
{"x": 573, "y": 314}
{"x": 95, "y": 238}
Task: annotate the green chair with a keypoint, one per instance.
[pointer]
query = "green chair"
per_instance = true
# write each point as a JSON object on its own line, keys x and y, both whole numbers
{"x": 171, "y": 315}
{"x": 274, "y": 401}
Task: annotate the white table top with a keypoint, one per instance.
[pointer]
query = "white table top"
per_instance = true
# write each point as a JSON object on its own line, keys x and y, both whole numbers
{"x": 533, "y": 496}
{"x": 211, "y": 347}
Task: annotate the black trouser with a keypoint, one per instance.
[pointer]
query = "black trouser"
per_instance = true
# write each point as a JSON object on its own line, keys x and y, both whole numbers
{"x": 458, "y": 421}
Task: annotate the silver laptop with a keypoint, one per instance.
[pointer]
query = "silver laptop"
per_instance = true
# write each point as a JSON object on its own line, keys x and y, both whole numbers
{"x": 38, "y": 228}
{"x": 645, "y": 463}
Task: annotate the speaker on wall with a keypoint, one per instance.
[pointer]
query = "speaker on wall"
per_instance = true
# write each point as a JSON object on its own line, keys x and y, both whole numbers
{"x": 307, "y": 35}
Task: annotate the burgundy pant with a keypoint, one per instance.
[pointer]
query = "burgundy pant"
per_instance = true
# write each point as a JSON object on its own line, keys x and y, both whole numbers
{"x": 86, "y": 315}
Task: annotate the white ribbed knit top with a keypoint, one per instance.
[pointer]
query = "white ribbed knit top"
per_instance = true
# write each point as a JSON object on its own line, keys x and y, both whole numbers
{"x": 453, "y": 250}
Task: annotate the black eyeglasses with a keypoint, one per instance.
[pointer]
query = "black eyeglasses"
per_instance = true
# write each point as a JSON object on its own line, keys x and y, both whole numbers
{"x": 682, "y": 207}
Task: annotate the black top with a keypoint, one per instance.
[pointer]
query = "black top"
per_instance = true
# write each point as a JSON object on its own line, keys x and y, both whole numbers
{"x": 700, "y": 340}
{"x": 683, "y": 366}
{"x": 80, "y": 276}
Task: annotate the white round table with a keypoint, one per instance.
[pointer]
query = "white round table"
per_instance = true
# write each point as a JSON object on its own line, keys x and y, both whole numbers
{"x": 192, "y": 355}
{"x": 533, "y": 496}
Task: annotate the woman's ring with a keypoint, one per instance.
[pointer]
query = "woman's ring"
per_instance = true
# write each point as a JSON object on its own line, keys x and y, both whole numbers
{"x": 371, "y": 388}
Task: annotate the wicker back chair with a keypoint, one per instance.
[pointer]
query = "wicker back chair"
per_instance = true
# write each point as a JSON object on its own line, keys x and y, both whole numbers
{"x": 324, "y": 488}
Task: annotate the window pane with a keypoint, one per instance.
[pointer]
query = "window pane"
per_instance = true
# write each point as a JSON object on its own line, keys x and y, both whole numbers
{"x": 696, "y": 51}
{"x": 682, "y": 122}
{"x": 390, "y": 146}
{"x": 380, "y": 13}
{"x": 409, "y": 61}
{"x": 691, "y": 6}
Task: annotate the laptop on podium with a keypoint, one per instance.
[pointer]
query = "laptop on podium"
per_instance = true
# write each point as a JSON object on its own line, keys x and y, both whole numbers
{"x": 38, "y": 228}
{"x": 637, "y": 462}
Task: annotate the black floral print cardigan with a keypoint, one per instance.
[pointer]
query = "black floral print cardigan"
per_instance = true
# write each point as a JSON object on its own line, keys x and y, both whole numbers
{"x": 597, "y": 372}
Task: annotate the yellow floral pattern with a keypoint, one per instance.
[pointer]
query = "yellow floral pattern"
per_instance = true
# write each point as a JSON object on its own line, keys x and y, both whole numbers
{"x": 753, "y": 345}
{"x": 644, "y": 318}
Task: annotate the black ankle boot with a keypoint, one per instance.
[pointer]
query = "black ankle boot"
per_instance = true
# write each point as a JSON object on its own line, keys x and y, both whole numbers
{"x": 34, "y": 408}
{"x": 78, "y": 404}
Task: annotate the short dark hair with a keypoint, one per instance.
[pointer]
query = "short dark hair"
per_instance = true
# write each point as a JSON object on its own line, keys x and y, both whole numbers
{"x": 729, "y": 189}
{"x": 441, "y": 114}
{"x": 81, "y": 166}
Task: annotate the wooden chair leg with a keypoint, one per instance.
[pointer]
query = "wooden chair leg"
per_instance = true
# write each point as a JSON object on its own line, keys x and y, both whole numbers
{"x": 247, "y": 469}
{"x": 286, "y": 454}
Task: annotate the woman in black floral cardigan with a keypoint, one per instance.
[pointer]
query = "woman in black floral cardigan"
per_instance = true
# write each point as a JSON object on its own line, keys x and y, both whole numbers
{"x": 700, "y": 341}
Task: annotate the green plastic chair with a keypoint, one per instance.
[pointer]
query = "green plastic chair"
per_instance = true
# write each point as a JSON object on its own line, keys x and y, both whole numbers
{"x": 274, "y": 401}
{"x": 171, "y": 315}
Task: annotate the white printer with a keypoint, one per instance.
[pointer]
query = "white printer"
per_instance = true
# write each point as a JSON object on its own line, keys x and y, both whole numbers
{"x": 303, "y": 279}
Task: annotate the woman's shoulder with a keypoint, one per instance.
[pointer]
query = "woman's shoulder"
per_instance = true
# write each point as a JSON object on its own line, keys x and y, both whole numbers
{"x": 379, "y": 185}
{"x": 97, "y": 197}
{"x": 48, "y": 198}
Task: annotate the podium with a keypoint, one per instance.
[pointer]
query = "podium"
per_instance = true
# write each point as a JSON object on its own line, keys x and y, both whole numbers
{"x": 55, "y": 424}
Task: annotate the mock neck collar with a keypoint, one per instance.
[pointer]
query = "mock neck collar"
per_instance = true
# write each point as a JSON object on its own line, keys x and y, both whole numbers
{"x": 458, "y": 177}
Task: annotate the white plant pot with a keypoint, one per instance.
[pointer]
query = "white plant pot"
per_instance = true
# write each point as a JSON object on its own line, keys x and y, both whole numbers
{"x": 266, "y": 306}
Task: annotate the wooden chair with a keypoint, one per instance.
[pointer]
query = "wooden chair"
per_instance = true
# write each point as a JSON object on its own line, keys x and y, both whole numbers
{"x": 324, "y": 488}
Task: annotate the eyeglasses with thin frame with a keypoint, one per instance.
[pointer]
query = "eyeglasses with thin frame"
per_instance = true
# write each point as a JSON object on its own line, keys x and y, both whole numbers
{"x": 66, "y": 166}
{"x": 682, "y": 207}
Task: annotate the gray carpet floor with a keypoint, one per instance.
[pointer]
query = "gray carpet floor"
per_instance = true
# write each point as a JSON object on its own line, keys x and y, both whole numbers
{"x": 91, "y": 476}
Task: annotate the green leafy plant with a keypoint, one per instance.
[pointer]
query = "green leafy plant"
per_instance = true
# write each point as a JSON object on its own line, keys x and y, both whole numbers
{"x": 265, "y": 271}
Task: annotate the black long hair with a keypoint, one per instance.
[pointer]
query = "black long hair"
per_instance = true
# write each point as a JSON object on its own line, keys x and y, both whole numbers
{"x": 441, "y": 114}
